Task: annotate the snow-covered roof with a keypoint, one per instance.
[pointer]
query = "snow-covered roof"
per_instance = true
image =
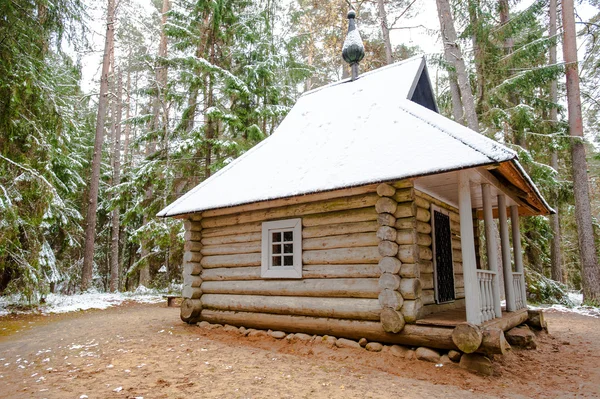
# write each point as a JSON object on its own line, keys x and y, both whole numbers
{"x": 347, "y": 134}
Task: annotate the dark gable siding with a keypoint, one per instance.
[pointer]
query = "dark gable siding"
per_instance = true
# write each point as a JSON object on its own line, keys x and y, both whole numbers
{"x": 423, "y": 94}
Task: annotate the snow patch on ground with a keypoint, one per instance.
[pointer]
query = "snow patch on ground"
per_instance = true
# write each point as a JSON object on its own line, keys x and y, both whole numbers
{"x": 89, "y": 300}
{"x": 577, "y": 299}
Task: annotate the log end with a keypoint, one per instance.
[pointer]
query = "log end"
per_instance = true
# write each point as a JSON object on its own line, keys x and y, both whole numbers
{"x": 392, "y": 321}
{"x": 467, "y": 337}
{"x": 190, "y": 310}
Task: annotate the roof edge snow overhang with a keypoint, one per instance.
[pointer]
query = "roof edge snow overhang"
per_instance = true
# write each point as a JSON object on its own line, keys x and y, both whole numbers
{"x": 509, "y": 172}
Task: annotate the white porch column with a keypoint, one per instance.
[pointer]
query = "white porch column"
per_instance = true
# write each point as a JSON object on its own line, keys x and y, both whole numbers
{"x": 506, "y": 263}
{"x": 516, "y": 236}
{"x": 467, "y": 244}
{"x": 491, "y": 246}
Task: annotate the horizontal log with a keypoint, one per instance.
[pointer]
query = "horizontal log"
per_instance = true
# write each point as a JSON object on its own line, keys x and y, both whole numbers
{"x": 390, "y": 299}
{"x": 192, "y": 281}
{"x": 195, "y": 217}
{"x": 351, "y": 240}
{"x": 389, "y": 281}
{"x": 408, "y": 253}
{"x": 456, "y": 243}
{"x": 190, "y": 310}
{"x": 386, "y": 219}
{"x": 406, "y": 236}
{"x": 410, "y": 288}
{"x": 389, "y": 264}
{"x": 295, "y": 200}
{"x": 405, "y": 210}
{"x": 190, "y": 292}
{"x": 427, "y": 281}
{"x": 192, "y": 236}
{"x": 426, "y": 266}
{"x": 341, "y": 256}
{"x": 456, "y": 255}
{"x": 411, "y": 309}
{"x": 346, "y": 216}
{"x": 334, "y": 287}
{"x": 458, "y": 268}
{"x": 425, "y": 253}
{"x": 467, "y": 337}
{"x": 404, "y": 195}
{"x": 386, "y": 233}
{"x": 193, "y": 246}
{"x": 423, "y": 228}
{"x": 386, "y": 205}
{"x": 454, "y": 227}
{"x": 423, "y": 215}
{"x": 238, "y": 260}
{"x": 424, "y": 240}
{"x": 408, "y": 223}
{"x": 392, "y": 321}
{"x": 459, "y": 293}
{"x": 453, "y": 212}
{"x": 411, "y": 335}
{"x": 336, "y": 204}
{"x": 410, "y": 270}
{"x": 308, "y": 271}
{"x": 189, "y": 256}
{"x": 230, "y": 249}
{"x": 232, "y": 239}
{"x": 403, "y": 183}
{"x": 428, "y": 297}
{"x": 191, "y": 268}
{"x": 493, "y": 342}
{"x": 385, "y": 190}
{"x": 339, "y": 308}
{"x": 190, "y": 225}
{"x": 255, "y": 227}
{"x": 422, "y": 202}
{"x": 459, "y": 281}
{"x": 339, "y": 228}
{"x": 388, "y": 248}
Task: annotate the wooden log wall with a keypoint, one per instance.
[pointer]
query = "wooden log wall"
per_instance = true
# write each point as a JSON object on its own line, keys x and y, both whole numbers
{"x": 340, "y": 255}
{"x": 423, "y": 202}
{"x": 191, "y": 305}
{"x": 399, "y": 234}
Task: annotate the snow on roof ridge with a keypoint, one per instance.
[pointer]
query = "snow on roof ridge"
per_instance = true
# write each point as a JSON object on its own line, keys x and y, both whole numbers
{"x": 368, "y": 73}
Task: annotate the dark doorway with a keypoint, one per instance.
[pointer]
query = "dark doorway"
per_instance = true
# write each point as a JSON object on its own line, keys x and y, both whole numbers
{"x": 442, "y": 250}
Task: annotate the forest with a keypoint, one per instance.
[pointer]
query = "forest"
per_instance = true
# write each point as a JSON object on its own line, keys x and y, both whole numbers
{"x": 183, "y": 92}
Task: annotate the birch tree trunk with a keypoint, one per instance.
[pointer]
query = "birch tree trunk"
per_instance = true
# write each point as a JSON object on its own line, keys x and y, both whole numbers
{"x": 385, "y": 31}
{"x": 583, "y": 214}
{"x": 90, "y": 229}
{"x": 555, "y": 253}
{"x": 454, "y": 57}
{"x": 116, "y": 214}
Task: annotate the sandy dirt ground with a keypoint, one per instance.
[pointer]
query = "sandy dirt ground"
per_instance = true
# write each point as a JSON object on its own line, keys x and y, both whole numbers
{"x": 136, "y": 351}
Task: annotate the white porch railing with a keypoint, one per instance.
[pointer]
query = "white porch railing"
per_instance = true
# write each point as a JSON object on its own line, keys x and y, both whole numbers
{"x": 518, "y": 290}
{"x": 486, "y": 296}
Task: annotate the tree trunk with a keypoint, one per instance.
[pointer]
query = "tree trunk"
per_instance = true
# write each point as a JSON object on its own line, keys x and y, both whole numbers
{"x": 477, "y": 53}
{"x": 128, "y": 110}
{"x": 583, "y": 214}
{"x": 555, "y": 253}
{"x": 504, "y": 11}
{"x": 159, "y": 102}
{"x": 454, "y": 57}
{"x": 385, "y": 31}
{"x": 90, "y": 229}
{"x": 116, "y": 155}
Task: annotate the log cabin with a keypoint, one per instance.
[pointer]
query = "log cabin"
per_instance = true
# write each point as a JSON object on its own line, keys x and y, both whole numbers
{"x": 361, "y": 216}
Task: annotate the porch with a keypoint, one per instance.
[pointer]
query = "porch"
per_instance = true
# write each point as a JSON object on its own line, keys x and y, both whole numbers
{"x": 480, "y": 194}
{"x": 453, "y": 317}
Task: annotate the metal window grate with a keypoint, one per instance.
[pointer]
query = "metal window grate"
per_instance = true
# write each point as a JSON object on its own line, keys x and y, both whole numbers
{"x": 443, "y": 258}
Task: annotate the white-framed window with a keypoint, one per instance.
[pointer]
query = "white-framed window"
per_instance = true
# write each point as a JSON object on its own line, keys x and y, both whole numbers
{"x": 282, "y": 249}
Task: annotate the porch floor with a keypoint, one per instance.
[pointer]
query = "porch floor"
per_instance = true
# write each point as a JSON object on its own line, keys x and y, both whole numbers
{"x": 453, "y": 317}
